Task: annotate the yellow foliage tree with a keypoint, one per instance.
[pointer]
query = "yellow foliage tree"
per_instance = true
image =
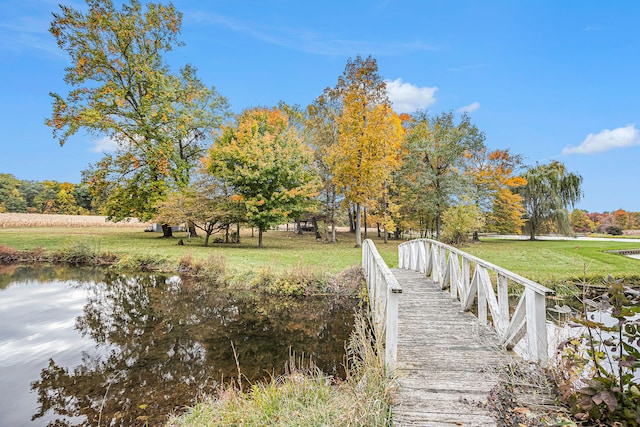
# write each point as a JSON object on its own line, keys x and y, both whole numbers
{"x": 369, "y": 137}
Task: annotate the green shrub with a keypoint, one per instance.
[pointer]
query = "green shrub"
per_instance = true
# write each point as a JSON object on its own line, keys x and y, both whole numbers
{"x": 214, "y": 269}
{"x": 614, "y": 230}
{"x": 139, "y": 263}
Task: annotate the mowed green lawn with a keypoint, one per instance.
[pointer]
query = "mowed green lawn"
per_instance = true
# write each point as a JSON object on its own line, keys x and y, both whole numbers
{"x": 543, "y": 261}
{"x": 283, "y": 250}
{"x": 552, "y": 261}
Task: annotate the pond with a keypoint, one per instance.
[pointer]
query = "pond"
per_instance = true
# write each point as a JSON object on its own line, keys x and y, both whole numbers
{"x": 81, "y": 347}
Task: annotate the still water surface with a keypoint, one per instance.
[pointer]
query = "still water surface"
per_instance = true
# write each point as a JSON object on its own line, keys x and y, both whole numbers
{"x": 82, "y": 347}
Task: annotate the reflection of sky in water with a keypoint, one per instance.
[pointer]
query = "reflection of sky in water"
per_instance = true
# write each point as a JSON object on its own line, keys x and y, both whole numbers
{"x": 36, "y": 324}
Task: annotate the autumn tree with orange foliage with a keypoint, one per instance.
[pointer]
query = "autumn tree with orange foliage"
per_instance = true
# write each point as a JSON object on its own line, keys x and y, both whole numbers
{"x": 369, "y": 137}
{"x": 493, "y": 175}
{"x": 122, "y": 89}
{"x": 267, "y": 167}
{"x": 621, "y": 219}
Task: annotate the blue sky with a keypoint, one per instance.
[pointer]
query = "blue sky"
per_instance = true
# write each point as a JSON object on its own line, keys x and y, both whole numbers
{"x": 547, "y": 79}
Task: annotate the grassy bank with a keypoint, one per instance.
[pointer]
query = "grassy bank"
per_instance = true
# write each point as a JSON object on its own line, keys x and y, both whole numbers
{"x": 282, "y": 249}
{"x": 544, "y": 261}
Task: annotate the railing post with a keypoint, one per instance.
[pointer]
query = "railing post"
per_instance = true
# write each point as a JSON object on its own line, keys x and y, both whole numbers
{"x": 422, "y": 261}
{"x": 466, "y": 275}
{"x": 503, "y": 302}
{"x": 482, "y": 297}
{"x": 391, "y": 333}
{"x": 536, "y": 325}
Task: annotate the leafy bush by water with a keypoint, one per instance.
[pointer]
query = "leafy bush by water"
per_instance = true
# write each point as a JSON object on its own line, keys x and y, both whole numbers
{"x": 597, "y": 373}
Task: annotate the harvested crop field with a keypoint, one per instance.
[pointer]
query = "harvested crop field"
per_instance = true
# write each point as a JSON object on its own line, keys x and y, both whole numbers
{"x": 52, "y": 220}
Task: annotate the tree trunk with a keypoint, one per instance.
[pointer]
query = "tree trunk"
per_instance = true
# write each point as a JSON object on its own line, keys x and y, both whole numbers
{"x": 315, "y": 227}
{"x": 299, "y": 227}
{"x": 327, "y": 211}
{"x": 333, "y": 215}
{"x": 365, "y": 222}
{"x": 226, "y": 233}
{"x": 206, "y": 239}
{"x": 476, "y": 236}
{"x": 352, "y": 226}
{"x": 386, "y": 235}
{"x": 166, "y": 231}
{"x": 358, "y": 227}
{"x": 192, "y": 229}
{"x": 238, "y": 233}
{"x": 260, "y": 237}
{"x": 438, "y": 225}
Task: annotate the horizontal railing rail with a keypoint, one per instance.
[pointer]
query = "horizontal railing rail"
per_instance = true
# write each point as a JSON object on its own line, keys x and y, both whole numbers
{"x": 384, "y": 292}
{"x": 469, "y": 279}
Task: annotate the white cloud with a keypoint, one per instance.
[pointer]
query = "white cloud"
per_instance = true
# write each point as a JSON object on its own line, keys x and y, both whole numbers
{"x": 469, "y": 108}
{"x": 606, "y": 140}
{"x": 104, "y": 145}
{"x": 407, "y": 98}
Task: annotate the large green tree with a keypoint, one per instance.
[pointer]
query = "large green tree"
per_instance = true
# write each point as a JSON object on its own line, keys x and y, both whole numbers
{"x": 549, "y": 192}
{"x": 122, "y": 88}
{"x": 436, "y": 151}
{"x": 11, "y": 200}
{"x": 263, "y": 160}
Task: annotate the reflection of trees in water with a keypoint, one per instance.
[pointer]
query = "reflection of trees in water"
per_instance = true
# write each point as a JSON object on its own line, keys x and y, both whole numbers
{"x": 17, "y": 273}
{"x": 163, "y": 342}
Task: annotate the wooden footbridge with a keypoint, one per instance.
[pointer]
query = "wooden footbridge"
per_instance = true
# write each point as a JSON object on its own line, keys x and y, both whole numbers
{"x": 447, "y": 322}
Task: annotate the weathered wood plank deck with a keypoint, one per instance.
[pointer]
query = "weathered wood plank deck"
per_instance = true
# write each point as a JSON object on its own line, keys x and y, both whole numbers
{"x": 447, "y": 363}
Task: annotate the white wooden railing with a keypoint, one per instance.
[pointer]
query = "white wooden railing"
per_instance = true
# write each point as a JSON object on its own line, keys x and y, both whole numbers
{"x": 384, "y": 292}
{"x": 451, "y": 268}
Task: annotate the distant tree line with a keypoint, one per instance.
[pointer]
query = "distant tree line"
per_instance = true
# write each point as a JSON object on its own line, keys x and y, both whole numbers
{"x": 607, "y": 222}
{"x": 48, "y": 197}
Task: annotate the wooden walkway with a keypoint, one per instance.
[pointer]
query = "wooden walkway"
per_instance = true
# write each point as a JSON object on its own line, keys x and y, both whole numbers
{"x": 447, "y": 363}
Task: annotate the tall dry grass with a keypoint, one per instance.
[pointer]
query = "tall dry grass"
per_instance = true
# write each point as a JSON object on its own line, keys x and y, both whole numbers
{"x": 13, "y": 220}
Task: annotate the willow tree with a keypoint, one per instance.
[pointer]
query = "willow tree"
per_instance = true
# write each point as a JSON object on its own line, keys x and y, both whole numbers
{"x": 369, "y": 136}
{"x": 550, "y": 191}
{"x": 267, "y": 167}
{"x": 122, "y": 89}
